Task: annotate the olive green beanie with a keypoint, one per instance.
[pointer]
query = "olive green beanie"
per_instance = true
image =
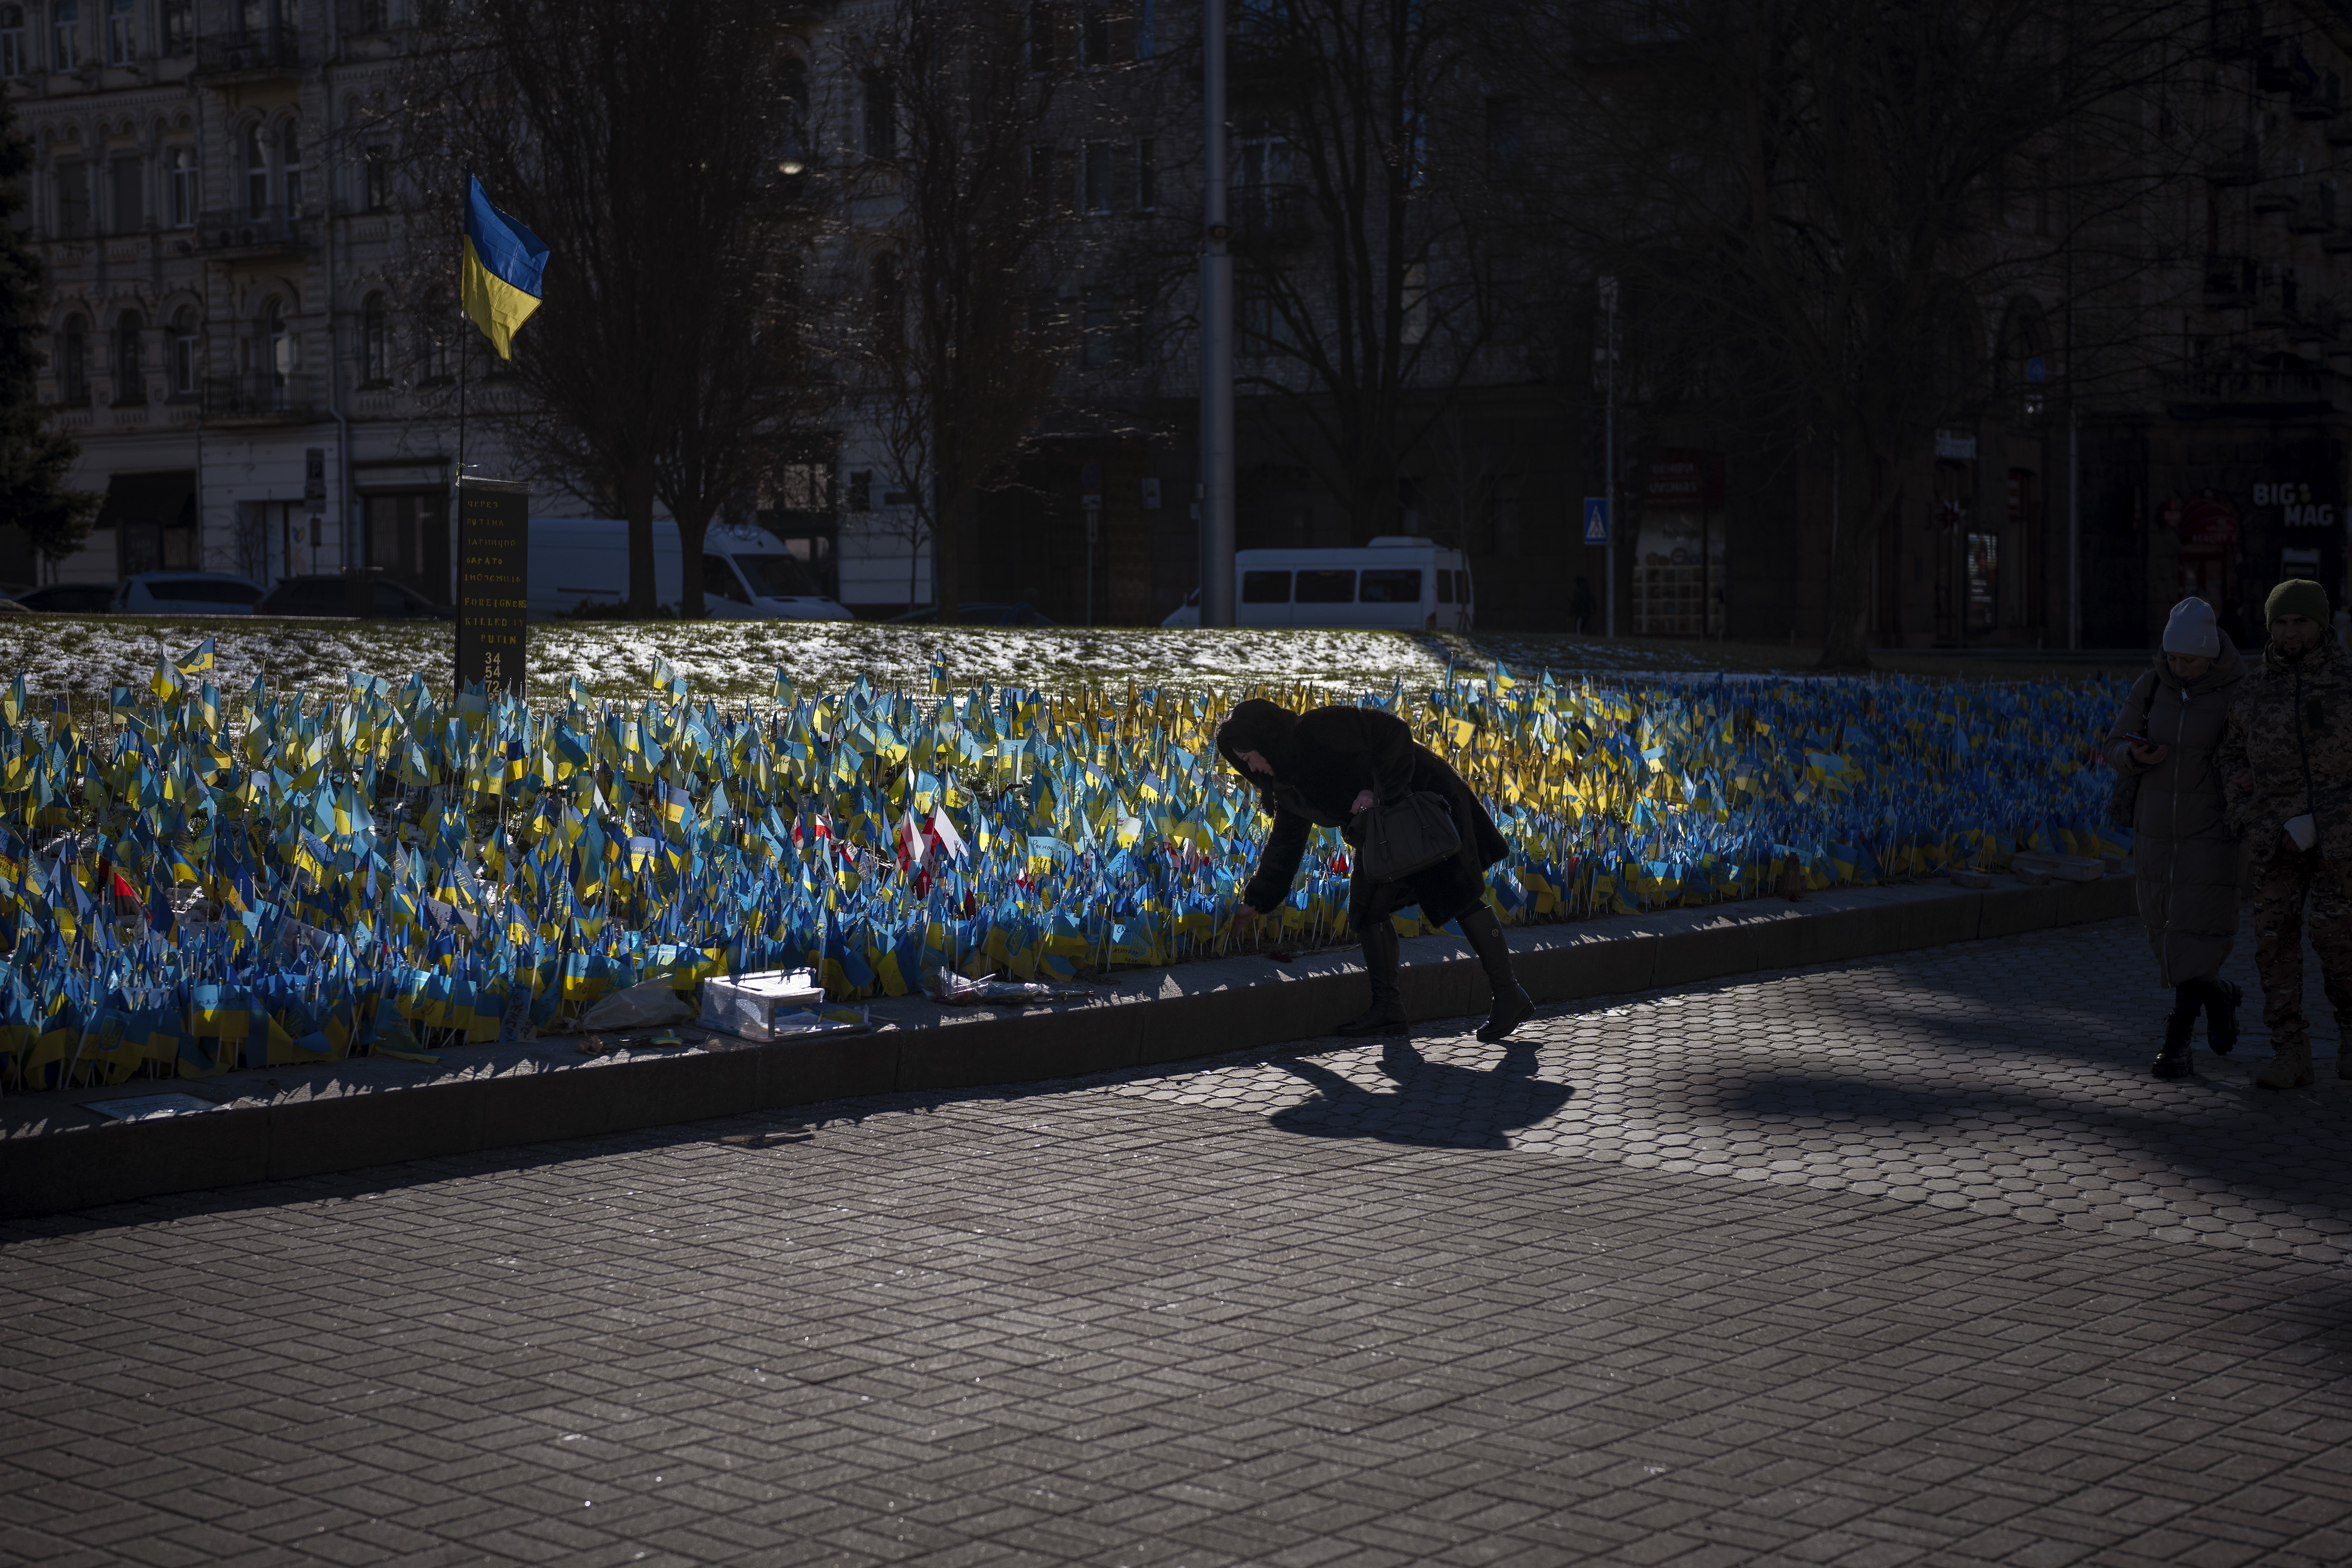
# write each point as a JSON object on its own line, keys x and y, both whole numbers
{"x": 2296, "y": 596}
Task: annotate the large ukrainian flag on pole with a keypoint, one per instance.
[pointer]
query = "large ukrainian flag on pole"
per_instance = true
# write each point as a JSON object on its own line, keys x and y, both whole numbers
{"x": 499, "y": 278}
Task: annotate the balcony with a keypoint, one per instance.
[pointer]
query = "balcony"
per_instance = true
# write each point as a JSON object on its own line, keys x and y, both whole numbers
{"x": 261, "y": 399}
{"x": 2322, "y": 103}
{"x": 2275, "y": 302}
{"x": 250, "y": 57}
{"x": 2276, "y": 198}
{"x": 2315, "y": 213}
{"x": 2243, "y": 167}
{"x": 272, "y": 231}
{"x": 2235, "y": 30}
{"x": 1271, "y": 217}
{"x": 2229, "y": 282}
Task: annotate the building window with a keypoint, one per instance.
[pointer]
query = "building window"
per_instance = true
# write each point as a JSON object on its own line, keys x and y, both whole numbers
{"x": 433, "y": 338}
{"x": 12, "y": 42}
{"x": 375, "y": 175}
{"x": 183, "y": 352}
{"x": 1106, "y": 32}
{"x": 1267, "y": 201}
{"x": 886, "y": 302}
{"x": 1044, "y": 38}
{"x": 178, "y": 27}
{"x": 1506, "y": 145}
{"x": 1100, "y": 344}
{"x": 881, "y": 118}
{"x": 861, "y": 490}
{"x": 1414, "y": 328}
{"x": 73, "y": 199}
{"x": 129, "y": 366}
{"x": 183, "y": 187}
{"x": 252, "y": 17}
{"x": 73, "y": 362}
{"x": 1147, "y": 178}
{"x": 122, "y": 38}
{"x": 291, "y": 168}
{"x": 371, "y": 17}
{"x": 129, "y": 182}
{"x": 277, "y": 350}
{"x": 1099, "y": 157}
{"x": 375, "y": 364}
{"x": 792, "y": 111}
{"x": 1265, "y": 329}
{"x": 65, "y": 34}
{"x": 257, "y": 171}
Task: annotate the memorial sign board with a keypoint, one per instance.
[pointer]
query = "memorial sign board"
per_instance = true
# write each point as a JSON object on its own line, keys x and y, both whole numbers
{"x": 493, "y": 566}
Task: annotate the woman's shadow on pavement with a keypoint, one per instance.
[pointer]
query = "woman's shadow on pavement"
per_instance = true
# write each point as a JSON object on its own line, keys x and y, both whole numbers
{"x": 1434, "y": 1105}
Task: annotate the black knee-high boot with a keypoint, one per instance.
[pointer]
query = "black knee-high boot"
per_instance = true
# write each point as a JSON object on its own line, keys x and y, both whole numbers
{"x": 1386, "y": 1015}
{"x": 2172, "y": 1060}
{"x": 1512, "y": 1005}
{"x": 2221, "y": 998}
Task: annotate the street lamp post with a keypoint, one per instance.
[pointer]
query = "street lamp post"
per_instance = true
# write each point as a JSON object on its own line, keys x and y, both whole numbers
{"x": 1216, "y": 338}
{"x": 1608, "y": 445}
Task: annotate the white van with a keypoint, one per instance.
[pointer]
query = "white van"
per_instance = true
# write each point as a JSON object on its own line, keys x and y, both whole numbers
{"x": 747, "y": 572}
{"x": 1401, "y": 583}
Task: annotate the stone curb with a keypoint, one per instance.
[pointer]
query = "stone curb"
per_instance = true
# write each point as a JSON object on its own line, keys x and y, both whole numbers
{"x": 280, "y": 1124}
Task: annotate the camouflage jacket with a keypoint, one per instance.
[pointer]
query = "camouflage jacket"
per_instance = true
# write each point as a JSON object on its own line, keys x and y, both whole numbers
{"x": 2291, "y": 725}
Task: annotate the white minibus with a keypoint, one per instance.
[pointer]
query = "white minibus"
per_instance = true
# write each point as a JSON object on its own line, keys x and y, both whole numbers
{"x": 1401, "y": 583}
{"x": 747, "y": 572}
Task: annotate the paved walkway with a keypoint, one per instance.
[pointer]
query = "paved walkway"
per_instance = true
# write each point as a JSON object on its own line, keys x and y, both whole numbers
{"x": 1903, "y": 1262}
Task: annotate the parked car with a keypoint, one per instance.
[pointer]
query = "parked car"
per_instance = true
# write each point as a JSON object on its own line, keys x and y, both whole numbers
{"x": 70, "y": 598}
{"x": 583, "y": 563}
{"x": 10, "y": 607}
{"x": 328, "y": 594}
{"x": 188, "y": 593}
{"x": 1403, "y": 582}
{"x": 980, "y": 615}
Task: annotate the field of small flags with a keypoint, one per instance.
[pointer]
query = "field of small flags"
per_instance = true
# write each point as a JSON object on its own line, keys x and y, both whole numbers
{"x": 199, "y": 881}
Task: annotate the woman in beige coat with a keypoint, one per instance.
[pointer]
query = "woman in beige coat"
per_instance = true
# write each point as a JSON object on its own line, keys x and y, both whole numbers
{"x": 2183, "y": 853}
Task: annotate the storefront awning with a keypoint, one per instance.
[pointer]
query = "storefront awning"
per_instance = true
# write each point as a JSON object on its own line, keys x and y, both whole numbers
{"x": 166, "y": 499}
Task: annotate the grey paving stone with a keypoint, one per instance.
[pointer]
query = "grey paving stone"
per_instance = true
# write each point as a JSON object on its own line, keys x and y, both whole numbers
{"x": 1898, "y": 1263}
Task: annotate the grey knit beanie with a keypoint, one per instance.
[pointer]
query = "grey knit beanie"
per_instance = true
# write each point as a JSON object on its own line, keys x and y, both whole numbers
{"x": 2192, "y": 630}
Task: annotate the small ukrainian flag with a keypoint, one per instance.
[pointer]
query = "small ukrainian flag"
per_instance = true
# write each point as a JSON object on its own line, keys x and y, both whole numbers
{"x": 499, "y": 276}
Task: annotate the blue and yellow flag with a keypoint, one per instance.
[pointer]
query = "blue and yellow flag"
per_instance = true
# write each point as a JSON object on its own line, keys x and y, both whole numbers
{"x": 499, "y": 278}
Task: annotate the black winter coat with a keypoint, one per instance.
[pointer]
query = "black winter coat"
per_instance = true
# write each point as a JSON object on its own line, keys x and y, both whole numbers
{"x": 1330, "y": 755}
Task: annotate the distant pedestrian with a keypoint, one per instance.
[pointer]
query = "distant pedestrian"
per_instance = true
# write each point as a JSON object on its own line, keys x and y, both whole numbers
{"x": 2183, "y": 853}
{"x": 1580, "y": 607}
{"x": 1331, "y": 765}
{"x": 2286, "y": 766}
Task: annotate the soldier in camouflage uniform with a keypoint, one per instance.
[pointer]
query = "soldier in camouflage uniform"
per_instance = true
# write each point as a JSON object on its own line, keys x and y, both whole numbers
{"x": 2285, "y": 760}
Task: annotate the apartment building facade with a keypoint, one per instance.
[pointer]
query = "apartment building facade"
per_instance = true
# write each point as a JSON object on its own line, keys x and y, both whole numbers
{"x": 265, "y": 377}
{"x": 262, "y": 379}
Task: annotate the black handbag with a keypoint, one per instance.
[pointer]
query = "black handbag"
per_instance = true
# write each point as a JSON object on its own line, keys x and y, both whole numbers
{"x": 1409, "y": 835}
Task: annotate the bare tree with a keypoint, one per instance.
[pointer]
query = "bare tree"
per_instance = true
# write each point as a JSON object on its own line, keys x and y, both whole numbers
{"x": 1362, "y": 282}
{"x": 1814, "y": 202}
{"x": 950, "y": 308}
{"x": 34, "y": 461}
{"x": 640, "y": 140}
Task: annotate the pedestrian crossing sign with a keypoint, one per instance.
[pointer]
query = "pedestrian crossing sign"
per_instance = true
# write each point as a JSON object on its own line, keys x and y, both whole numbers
{"x": 1596, "y": 520}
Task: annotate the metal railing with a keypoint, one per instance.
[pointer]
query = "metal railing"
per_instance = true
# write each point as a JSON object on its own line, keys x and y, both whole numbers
{"x": 271, "y": 230}
{"x": 2258, "y": 385}
{"x": 261, "y": 396}
{"x": 249, "y": 53}
{"x": 2231, "y": 278}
